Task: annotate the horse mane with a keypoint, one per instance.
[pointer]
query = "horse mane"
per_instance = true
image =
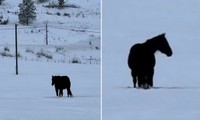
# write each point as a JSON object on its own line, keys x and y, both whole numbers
{"x": 156, "y": 37}
{"x": 153, "y": 42}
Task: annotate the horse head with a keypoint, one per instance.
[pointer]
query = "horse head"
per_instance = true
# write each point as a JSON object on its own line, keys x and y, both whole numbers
{"x": 53, "y": 80}
{"x": 163, "y": 45}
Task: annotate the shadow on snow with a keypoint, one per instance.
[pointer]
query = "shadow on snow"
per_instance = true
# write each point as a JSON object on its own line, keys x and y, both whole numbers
{"x": 177, "y": 87}
{"x": 167, "y": 87}
{"x": 80, "y": 96}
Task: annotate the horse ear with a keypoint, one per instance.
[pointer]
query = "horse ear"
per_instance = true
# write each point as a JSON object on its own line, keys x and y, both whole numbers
{"x": 164, "y": 34}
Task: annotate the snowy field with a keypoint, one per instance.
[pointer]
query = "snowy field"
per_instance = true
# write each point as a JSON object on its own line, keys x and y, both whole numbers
{"x": 30, "y": 96}
{"x": 176, "y": 79}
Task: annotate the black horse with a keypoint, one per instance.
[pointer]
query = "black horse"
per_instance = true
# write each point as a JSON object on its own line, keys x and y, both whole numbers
{"x": 61, "y": 82}
{"x": 141, "y": 59}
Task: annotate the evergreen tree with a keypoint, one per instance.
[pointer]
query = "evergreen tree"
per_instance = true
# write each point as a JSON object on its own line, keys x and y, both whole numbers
{"x": 1, "y": 1}
{"x": 27, "y": 12}
{"x": 40, "y": 1}
{"x": 61, "y": 3}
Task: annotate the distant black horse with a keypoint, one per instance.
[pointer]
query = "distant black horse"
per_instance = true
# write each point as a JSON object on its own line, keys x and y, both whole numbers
{"x": 61, "y": 82}
{"x": 141, "y": 59}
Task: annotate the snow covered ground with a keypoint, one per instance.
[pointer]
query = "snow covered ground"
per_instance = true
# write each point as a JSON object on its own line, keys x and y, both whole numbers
{"x": 176, "y": 79}
{"x": 30, "y": 96}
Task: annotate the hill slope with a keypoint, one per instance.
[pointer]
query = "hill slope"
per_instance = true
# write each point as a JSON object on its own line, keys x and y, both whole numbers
{"x": 79, "y": 33}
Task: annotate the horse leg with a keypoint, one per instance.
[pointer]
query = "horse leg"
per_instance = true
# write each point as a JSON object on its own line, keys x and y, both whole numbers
{"x": 61, "y": 93}
{"x": 145, "y": 82}
{"x": 150, "y": 78}
{"x": 141, "y": 81}
{"x": 56, "y": 89}
{"x": 69, "y": 93}
{"x": 134, "y": 79}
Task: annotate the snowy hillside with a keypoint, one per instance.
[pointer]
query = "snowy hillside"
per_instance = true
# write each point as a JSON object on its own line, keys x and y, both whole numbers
{"x": 80, "y": 31}
{"x": 177, "y": 87}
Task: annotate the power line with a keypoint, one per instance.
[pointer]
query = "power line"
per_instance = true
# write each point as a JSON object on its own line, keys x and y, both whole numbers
{"x": 7, "y": 28}
{"x": 75, "y": 29}
{"x": 12, "y": 28}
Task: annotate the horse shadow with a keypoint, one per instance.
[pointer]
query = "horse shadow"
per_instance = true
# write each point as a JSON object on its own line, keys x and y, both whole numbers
{"x": 78, "y": 96}
{"x": 177, "y": 87}
{"x": 168, "y": 87}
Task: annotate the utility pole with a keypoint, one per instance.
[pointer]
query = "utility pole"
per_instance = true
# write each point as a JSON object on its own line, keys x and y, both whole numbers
{"x": 16, "y": 55}
{"x": 46, "y": 34}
